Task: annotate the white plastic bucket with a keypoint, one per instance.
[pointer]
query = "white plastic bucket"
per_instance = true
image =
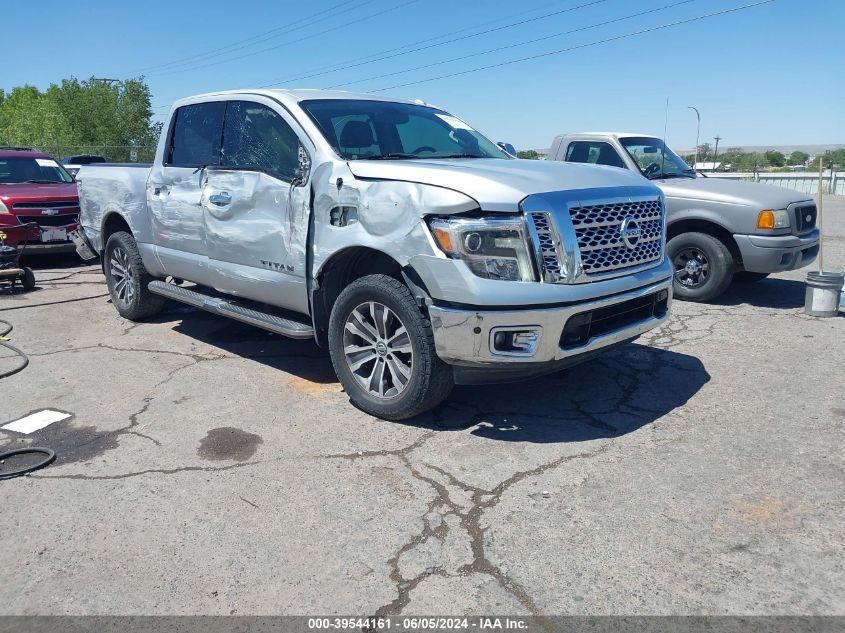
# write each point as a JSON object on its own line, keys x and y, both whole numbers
{"x": 823, "y": 290}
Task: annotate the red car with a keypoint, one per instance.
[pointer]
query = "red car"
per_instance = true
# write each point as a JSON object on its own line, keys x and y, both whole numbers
{"x": 35, "y": 188}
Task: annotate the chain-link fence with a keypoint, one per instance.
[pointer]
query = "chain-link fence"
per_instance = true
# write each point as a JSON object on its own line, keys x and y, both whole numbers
{"x": 112, "y": 153}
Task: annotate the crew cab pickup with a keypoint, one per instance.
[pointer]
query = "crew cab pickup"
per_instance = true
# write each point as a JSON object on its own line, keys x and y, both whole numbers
{"x": 718, "y": 230}
{"x": 35, "y": 188}
{"x": 392, "y": 232}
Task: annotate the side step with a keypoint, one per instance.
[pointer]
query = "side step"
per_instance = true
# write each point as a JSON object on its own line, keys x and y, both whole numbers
{"x": 233, "y": 309}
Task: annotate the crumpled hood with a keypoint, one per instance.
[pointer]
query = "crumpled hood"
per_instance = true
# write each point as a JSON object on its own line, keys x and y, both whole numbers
{"x": 750, "y": 194}
{"x": 497, "y": 184}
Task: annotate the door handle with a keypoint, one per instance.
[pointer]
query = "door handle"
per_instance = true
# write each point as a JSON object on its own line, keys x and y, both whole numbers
{"x": 221, "y": 198}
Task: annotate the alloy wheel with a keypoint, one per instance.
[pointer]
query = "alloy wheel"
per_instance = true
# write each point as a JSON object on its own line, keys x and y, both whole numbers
{"x": 378, "y": 351}
{"x": 692, "y": 268}
{"x": 123, "y": 282}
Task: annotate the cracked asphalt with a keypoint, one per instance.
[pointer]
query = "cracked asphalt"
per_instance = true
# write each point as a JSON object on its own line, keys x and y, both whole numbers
{"x": 212, "y": 468}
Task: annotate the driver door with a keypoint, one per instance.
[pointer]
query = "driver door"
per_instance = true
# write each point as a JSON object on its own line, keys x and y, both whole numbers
{"x": 256, "y": 217}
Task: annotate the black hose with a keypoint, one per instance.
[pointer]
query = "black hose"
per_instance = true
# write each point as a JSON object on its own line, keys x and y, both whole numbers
{"x": 50, "y": 456}
{"x": 23, "y": 356}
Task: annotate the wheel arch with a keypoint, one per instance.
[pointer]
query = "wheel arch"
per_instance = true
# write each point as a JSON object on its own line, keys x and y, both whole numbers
{"x": 708, "y": 226}
{"x": 344, "y": 267}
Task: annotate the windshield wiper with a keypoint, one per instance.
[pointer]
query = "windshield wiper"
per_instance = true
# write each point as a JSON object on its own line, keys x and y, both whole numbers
{"x": 458, "y": 156}
{"x": 392, "y": 156}
{"x": 42, "y": 182}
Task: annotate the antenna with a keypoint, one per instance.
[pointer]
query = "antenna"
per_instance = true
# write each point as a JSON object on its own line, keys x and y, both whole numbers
{"x": 665, "y": 126}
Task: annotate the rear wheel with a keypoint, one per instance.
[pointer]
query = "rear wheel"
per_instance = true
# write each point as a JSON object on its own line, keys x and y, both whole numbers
{"x": 127, "y": 279}
{"x": 745, "y": 276}
{"x": 703, "y": 266}
{"x": 383, "y": 352}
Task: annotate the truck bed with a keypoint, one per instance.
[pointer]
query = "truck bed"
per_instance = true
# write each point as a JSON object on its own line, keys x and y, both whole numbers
{"x": 108, "y": 187}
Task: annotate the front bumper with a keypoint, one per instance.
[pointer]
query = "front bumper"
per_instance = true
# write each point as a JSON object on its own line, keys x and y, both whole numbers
{"x": 464, "y": 338}
{"x": 777, "y": 253}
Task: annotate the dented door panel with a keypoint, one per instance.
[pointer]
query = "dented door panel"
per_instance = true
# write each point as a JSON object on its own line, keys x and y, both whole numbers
{"x": 256, "y": 227}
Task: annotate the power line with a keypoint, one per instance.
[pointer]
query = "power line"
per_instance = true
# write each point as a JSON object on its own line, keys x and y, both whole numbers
{"x": 452, "y": 41}
{"x": 330, "y": 68}
{"x": 579, "y": 46}
{"x": 288, "y": 43}
{"x": 518, "y": 44}
{"x": 250, "y": 41}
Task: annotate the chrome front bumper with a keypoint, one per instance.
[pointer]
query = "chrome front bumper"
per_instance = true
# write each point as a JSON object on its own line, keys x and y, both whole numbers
{"x": 465, "y": 337}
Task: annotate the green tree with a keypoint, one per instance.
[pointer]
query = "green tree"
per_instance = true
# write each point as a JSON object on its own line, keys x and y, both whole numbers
{"x": 798, "y": 158}
{"x": 775, "y": 158}
{"x": 82, "y": 116}
{"x": 530, "y": 154}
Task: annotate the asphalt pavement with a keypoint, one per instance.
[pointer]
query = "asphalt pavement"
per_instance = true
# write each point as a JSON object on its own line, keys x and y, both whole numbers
{"x": 208, "y": 467}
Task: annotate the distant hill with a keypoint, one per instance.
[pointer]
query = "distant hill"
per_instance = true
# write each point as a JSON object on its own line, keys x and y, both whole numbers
{"x": 812, "y": 150}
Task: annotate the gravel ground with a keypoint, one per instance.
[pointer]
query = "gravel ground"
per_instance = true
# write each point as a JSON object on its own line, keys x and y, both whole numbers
{"x": 212, "y": 468}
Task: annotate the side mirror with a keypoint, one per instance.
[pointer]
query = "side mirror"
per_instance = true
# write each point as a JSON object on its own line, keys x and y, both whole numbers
{"x": 304, "y": 168}
{"x": 507, "y": 147}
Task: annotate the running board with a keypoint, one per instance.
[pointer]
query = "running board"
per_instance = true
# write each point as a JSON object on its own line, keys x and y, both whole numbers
{"x": 234, "y": 310}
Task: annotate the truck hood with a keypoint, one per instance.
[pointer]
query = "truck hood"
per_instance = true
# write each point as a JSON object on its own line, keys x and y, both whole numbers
{"x": 737, "y": 192}
{"x": 497, "y": 184}
{"x": 31, "y": 192}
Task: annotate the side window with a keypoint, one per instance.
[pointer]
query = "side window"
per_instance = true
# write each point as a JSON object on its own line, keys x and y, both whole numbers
{"x": 256, "y": 137}
{"x": 593, "y": 152}
{"x": 195, "y": 140}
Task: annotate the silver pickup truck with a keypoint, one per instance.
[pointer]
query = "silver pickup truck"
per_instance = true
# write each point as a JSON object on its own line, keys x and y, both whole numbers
{"x": 390, "y": 231}
{"x": 718, "y": 230}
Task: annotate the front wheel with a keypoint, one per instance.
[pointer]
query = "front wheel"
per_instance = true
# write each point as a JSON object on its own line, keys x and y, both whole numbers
{"x": 127, "y": 279}
{"x": 382, "y": 349}
{"x": 702, "y": 264}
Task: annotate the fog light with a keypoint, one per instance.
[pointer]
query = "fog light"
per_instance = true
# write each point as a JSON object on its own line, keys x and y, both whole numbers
{"x": 520, "y": 341}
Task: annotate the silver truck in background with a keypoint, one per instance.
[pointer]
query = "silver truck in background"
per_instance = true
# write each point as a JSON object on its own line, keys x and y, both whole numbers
{"x": 392, "y": 232}
{"x": 717, "y": 230}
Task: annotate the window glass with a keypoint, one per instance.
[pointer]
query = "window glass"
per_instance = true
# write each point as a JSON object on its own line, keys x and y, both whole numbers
{"x": 256, "y": 137}
{"x": 593, "y": 152}
{"x": 196, "y": 135}
{"x": 656, "y": 160}
{"x": 359, "y": 128}
{"x": 18, "y": 169}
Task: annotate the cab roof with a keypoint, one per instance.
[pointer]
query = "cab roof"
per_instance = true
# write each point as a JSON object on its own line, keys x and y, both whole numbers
{"x": 295, "y": 96}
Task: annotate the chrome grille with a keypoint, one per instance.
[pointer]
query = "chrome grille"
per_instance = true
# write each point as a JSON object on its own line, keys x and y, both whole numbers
{"x": 597, "y": 229}
{"x": 545, "y": 236}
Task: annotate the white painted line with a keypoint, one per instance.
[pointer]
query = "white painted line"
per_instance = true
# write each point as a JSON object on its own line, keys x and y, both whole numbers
{"x": 34, "y": 421}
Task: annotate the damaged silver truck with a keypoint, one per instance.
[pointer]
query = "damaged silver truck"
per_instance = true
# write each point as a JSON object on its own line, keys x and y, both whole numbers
{"x": 414, "y": 248}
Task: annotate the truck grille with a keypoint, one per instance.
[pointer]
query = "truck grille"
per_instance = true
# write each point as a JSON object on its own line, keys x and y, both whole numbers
{"x": 805, "y": 218}
{"x": 598, "y": 231}
{"x": 46, "y": 204}
{"x": 548, "y": 251}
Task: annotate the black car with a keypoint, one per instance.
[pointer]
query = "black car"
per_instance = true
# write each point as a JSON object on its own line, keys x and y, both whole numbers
{"x": 83, "y": 159}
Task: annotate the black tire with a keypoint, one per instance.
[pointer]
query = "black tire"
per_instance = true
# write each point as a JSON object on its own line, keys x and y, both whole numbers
{"x": 715, "y": 266}
{"x": 28, "y": 281}
{"x": 430, "y": 380}
{"x": 747, "y": 277}
{"x": 141, "y": 303}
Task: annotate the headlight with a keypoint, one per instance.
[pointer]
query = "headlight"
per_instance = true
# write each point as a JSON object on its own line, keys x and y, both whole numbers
{"x": 492, "y": 247}
{"x": 3, "y": 207}
{"x": 773, "y": 219}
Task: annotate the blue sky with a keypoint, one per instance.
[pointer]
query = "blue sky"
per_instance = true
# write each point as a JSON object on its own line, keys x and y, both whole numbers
{"x": 766, "y": 75}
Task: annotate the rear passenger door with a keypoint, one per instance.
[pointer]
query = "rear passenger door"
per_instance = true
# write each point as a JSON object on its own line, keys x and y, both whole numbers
{"x": 256, "y": 216}
{"x": 174, "y": 189}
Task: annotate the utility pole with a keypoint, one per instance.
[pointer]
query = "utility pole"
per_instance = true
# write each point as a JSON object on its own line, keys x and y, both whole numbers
{"x": 716, "y": 138}
{"x": 697, "y": 131}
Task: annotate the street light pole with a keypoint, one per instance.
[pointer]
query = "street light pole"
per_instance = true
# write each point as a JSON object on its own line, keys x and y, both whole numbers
{"x": 716, "y": 150}
{"x": 697, "y": 131}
